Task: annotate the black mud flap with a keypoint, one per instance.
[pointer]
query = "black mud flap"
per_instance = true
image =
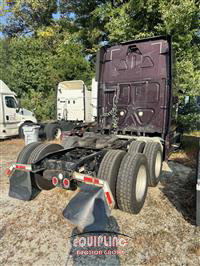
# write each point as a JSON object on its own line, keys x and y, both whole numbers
{"x": 88, "y": 209}
{"x": 21, "y": 186}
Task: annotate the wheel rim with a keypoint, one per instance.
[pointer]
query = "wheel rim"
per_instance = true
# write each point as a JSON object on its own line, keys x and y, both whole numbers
{"x": 58, "y": 133}
{"x": 158, "y": 164}
{"x": 141, "y": 183}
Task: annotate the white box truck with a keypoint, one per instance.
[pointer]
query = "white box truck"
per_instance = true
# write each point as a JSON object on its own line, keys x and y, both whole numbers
{"x": 75, "y": 105}
{"x": 73, "y": 101}
{"x": 12, "y": 116}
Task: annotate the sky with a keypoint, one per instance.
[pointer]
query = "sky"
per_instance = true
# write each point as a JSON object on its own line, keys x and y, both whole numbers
{"x": 3, "y": 21}
{"x": 3, "y": 18}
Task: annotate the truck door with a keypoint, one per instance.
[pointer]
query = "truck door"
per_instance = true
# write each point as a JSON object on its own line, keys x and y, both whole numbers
{"x": 10, "y": 117}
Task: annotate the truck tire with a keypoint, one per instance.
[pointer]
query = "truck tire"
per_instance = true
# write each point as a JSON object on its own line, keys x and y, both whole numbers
{"x": 53, "y": 131}
{"x": 154, "y": 154}
{"x": 66, "y": 126}
{"x": 136, "y": 147}
{"x": 109, "y": 168}
{"x": 132, "y": 183}
{"x": 20, "y": 130}
{"x": 42, "y": 133}
{"x": 37, "y": 154}
{"x": 26, "y": 151}
{"x": 23, "y": 158}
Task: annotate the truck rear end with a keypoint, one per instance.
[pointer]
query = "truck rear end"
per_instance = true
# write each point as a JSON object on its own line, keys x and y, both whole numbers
{"x": 135, "y": 88}
{"x": 117, "y": 163}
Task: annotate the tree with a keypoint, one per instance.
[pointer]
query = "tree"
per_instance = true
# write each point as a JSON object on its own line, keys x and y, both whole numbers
{"x": 87, "y": 24}
{"x": 135, "y": 19}
{"x": 28, "y": 16}
{"x": 34, "y": 66}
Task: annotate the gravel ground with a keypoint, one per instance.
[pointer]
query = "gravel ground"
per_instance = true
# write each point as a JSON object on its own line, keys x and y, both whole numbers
{"x": 163, "y": 233}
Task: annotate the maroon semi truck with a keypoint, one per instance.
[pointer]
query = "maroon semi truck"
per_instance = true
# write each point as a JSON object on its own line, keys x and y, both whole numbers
{"x": 122, "y": 156}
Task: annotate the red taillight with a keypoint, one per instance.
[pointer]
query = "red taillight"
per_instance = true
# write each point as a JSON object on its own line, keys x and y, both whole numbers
{"x": 54, "y": 180}
{"x": 88, "y": 179}
{"x": 66, "y": 183}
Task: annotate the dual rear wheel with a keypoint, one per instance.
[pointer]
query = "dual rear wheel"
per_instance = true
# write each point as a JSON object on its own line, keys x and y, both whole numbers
{"x": 130, "y": 174}
{"x": 154, "y": 154}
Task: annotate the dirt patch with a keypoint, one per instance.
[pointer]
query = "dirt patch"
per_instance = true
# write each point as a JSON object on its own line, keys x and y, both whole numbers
{"x": 163, "y": 233}
{"x": 185, "y": 158}
{"x": 187, "y": 155}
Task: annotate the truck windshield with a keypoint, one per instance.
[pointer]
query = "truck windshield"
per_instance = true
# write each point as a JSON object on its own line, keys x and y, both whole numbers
{"x": 10, "y": 102}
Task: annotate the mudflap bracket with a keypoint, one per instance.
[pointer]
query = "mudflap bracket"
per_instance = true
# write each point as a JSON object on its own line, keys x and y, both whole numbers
{"x": 92, "y": 205}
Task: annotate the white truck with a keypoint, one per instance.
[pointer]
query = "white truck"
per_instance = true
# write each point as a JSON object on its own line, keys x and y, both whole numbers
{"x": 12, "y": 116}
{"x": 74, "y": 106}
{"x": 74, "y": 101}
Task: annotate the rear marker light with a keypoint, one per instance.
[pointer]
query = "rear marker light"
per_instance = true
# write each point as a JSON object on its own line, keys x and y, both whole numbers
{"x": 54, "y": 180}
{"x": 66, "y": 183}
